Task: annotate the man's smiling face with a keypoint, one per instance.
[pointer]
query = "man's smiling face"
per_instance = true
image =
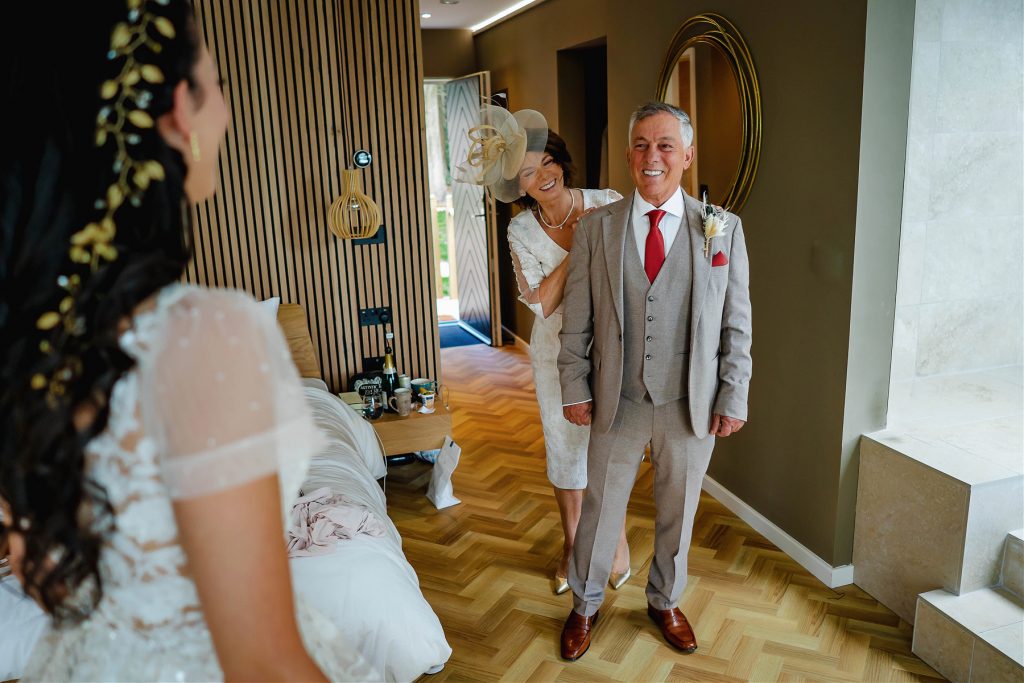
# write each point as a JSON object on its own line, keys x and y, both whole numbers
{"x": 657, "y": 157}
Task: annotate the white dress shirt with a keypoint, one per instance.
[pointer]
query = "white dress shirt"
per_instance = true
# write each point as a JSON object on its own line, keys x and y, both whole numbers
{"x": 669, "y": 225}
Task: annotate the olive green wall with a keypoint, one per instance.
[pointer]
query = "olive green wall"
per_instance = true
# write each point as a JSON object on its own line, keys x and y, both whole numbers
{"x": 448, "y": 53}
{"x": 794, "y": 462}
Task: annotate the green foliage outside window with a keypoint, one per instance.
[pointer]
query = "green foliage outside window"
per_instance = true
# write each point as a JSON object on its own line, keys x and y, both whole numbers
{"x": 442, "y": 228}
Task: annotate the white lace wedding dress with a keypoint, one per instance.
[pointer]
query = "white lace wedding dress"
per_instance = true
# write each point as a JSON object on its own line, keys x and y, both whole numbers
{"x": 534, "y": 256}
{"x": 213, "y": 402}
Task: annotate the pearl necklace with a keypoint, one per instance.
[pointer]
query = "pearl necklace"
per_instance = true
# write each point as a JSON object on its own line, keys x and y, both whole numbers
{"x": 540, "y": 214}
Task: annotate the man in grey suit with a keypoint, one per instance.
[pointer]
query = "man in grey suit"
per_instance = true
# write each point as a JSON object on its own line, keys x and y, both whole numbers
{"x": 655, "y": 339}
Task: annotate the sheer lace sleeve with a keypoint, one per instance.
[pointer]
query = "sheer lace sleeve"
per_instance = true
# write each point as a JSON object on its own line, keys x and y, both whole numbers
{"x": 220, "y": 396}
{"x": 528, "y": 268}
{"x": 610, "y": 196}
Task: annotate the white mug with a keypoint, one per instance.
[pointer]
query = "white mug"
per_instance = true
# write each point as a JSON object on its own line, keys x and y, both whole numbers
{"x": 401, "y": 402}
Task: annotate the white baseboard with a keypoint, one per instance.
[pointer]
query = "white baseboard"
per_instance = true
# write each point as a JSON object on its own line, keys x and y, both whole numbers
{"x": 833, "y": 577}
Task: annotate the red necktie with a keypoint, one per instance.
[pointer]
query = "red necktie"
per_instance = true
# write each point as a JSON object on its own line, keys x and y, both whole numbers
{"x": 654, "y": 250}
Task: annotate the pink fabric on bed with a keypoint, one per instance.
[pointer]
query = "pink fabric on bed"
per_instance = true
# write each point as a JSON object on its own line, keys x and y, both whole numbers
{"x": 320, "y": 518}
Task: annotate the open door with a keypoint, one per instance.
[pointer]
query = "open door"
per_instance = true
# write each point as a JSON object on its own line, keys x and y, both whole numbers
{"x": 475, "y": 222}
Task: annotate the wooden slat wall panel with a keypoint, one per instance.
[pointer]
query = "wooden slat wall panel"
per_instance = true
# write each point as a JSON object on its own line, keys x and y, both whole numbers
{"x": 309, "y": 82}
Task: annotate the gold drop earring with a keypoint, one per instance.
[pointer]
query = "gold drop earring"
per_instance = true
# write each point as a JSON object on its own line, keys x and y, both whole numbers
{"x": 193, "y": 140}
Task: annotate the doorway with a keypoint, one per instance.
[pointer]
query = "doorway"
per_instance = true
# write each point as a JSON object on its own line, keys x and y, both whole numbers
{"x": 462, "y": 217}
{"x": 583, "y": 109}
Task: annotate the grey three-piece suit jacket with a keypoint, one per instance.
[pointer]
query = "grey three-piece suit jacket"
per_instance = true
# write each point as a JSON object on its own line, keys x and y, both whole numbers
{"x": 714, "y": 373}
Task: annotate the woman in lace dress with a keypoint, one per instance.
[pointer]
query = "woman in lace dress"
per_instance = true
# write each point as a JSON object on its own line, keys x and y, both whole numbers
{"x": 540, "y": 237}
{"x": 154, "y": 434}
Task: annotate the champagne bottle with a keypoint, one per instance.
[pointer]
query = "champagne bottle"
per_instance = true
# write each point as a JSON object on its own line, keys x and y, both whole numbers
{"x": 390, "y": 373}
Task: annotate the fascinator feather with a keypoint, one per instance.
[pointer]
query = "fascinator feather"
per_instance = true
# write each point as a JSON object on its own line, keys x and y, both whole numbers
{"x": 497, "y": 148}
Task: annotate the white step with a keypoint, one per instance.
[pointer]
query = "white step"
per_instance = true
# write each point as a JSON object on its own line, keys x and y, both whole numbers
{"x": 1011, "y": 578}
{"x": 928, "y": 516}
{"x": 976, "y": 637}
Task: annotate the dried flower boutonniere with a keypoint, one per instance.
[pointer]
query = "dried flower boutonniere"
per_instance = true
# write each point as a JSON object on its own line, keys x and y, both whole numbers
{"x": 715, "y": 222}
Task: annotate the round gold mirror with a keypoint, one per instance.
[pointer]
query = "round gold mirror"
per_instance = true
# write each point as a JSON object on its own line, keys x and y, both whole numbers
{"x": 708, "y": 73}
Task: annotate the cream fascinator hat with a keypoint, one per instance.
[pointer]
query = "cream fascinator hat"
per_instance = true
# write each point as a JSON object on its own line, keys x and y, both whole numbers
{"x": 497, "y": 148}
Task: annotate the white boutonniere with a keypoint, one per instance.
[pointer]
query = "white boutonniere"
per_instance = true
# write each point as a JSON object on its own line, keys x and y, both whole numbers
{"x": 715, "y": 222}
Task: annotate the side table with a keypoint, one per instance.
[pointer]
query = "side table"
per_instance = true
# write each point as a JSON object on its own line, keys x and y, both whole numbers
{"x": 416, "y": 432}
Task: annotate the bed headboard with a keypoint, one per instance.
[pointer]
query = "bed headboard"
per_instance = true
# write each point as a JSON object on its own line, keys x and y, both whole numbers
{"x": 292, "y": 319}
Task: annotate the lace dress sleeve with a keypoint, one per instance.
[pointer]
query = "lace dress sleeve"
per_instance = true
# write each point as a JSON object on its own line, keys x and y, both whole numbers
{"x": 528, "y": 269}
{"x": 220, "y": 395}
{"x": 611, "y": 196}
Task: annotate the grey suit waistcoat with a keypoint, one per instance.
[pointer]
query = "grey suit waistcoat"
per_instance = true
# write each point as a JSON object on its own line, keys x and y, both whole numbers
{"x": 656, "y": 325}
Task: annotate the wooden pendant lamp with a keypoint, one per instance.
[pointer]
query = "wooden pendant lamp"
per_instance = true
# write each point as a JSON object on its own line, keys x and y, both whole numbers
{"x": 353, "y": 215}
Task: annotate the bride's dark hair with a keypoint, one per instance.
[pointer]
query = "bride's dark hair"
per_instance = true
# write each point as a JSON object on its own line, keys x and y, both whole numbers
{"x": 52, "y": 172}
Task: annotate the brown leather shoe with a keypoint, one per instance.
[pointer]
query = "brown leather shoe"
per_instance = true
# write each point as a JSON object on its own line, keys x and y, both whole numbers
{"x": 675, "y": 628}
{"x": 576, "y": 635}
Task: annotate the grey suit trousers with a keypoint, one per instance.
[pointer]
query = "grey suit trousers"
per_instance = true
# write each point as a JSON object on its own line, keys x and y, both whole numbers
{"x": 680, "y": 461}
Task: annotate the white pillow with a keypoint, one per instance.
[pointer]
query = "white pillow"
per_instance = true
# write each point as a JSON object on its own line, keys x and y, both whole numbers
{"x": 271, "y": 306}
{"x": 348, "y": 434}
{"x": 362, "y": 586}
{"x": 315, "y": 383}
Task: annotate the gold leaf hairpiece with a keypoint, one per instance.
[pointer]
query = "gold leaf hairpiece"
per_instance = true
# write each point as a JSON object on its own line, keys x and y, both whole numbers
{"x": 120, "y": 118}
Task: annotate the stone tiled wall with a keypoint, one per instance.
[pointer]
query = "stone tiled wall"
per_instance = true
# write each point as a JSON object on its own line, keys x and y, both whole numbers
{"x": 960, "y": 272}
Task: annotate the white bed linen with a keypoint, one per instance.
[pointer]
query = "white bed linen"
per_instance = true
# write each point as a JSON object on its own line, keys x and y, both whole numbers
{"x": 366, "y": 587}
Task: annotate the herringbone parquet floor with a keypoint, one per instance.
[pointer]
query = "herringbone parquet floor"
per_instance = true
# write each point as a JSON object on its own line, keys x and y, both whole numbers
{"x": 484, "y": 566}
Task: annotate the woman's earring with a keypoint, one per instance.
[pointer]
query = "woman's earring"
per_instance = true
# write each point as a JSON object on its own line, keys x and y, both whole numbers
{"x": 194, "y": 143}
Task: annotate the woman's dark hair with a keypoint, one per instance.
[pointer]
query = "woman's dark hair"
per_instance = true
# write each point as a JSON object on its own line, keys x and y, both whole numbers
{"x": 559, "y": 152}
{"x": 51, "y": 175}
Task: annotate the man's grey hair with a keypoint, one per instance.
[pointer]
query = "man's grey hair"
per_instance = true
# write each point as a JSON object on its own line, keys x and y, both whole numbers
{"x": 652, "y": 108}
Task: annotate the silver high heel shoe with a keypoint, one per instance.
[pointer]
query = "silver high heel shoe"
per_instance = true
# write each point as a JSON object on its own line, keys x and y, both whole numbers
{"x": 560, "y": 584}
{"x": 616, "y": 580}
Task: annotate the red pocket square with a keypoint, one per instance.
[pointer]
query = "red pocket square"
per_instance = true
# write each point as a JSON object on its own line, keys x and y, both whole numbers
{"x": 719, "y": 259}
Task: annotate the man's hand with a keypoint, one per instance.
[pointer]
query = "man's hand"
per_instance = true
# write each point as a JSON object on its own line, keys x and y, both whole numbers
{"x": 578, "y": 413}
{"x": 722, "y": 426}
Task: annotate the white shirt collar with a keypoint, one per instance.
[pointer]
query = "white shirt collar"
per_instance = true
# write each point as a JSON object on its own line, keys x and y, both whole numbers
{"x": 673, "y": 205}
